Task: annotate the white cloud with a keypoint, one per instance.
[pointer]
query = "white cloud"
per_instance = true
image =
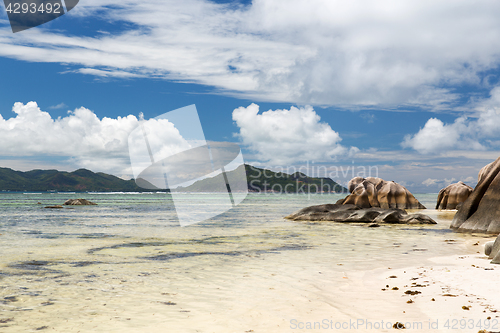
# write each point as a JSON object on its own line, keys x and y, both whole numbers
{"x": 107, "y": 73}
{"x": 476, "y": 134}
{"x": 441, "y": 182}
{"x": 331, "y": 52}
{"x": 368, "y": 117}
{"x": 469, "y": 179}
{"x": 81, "y": 139}
{"x": 58, "y": 106}
{"x": 429, "y": 182}
{"x": 284, "y": 136}
{"x": 437, "y": 136}
{"x": 490, "y": 103}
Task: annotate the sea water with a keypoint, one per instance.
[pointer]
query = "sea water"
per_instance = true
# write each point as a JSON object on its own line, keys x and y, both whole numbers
{"x": 126, "y": 265}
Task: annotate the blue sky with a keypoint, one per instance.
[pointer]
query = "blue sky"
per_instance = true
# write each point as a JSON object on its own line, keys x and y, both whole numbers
{"x": 409, "y": 88}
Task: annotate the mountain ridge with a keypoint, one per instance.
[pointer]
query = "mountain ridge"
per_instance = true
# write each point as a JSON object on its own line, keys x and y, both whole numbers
{"x": 81, "y": 180}
{"x": 264, "y": 180}
{"x": 84, "y": 180}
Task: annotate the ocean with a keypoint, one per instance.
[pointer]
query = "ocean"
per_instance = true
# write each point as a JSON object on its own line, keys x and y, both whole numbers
{"x": 126, "y": 265}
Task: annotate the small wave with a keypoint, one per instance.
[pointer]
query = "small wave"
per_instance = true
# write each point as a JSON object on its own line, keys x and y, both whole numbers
{"x": 115, "y": 193}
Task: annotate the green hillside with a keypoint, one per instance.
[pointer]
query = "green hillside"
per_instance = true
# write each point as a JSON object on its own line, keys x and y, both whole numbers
{"x": 263, "y": 180}
{"x": 81, "y": 180}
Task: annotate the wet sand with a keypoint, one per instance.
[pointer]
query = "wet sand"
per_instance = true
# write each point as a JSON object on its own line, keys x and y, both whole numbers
{"x": 256, "y": 295}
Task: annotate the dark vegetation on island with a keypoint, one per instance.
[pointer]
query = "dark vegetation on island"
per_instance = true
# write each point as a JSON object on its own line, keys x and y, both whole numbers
{"x": 263, "y": 180}
{"x": 83, "y": 180}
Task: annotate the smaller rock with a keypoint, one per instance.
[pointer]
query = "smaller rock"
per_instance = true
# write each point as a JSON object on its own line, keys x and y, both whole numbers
{"x": 373, "y": 225}
{"x": 79, "y": 202}
{"x": 488, "y": 247}
{"x": 453, "y": 195}
{"x": 418, "y": 219}
{"x": 495, "y": 251}
{"x": 54, "y": 206}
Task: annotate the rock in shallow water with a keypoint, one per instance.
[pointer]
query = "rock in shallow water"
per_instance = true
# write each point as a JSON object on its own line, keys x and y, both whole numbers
{"x": 352, "y": 213}
{"x": 79, "y": 202}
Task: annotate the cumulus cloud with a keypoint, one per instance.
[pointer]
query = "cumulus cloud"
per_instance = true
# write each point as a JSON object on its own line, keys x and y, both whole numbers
{"x": 477, "y": 134}
{"x": 285, "y": 136}
{"x": 436, "y": 136}
{"x": 441, "y": 182}
{"x": 330, "y": 52}
{"x": 80, "y": 138}
{"x": 430, "y": 182}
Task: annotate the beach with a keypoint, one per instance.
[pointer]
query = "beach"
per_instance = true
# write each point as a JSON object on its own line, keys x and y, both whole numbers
{"x": 126, "y": 266}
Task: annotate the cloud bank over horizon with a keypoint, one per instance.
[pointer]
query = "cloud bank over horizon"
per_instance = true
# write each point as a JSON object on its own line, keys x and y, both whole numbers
{"x": 387, "y": 54}
{"x": 83, "y": 140}
{"x": 295, "y": 137}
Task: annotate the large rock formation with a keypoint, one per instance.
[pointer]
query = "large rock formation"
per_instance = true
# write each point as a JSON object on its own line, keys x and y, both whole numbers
{"x": 79, "y": 202}
{"x": 376, "y": 192}
{"x": 484, "y": 170}
{"x": 353, "y": 213}
{"x": 481, "y": 211}
{"x": 452, "y": 195}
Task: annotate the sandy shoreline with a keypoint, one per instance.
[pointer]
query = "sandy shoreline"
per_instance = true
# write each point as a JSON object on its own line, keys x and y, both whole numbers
{"x": 450, "y": 294}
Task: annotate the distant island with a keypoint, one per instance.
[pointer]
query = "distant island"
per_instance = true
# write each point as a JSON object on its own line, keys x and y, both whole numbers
{"x": 83, "y": 180}
{"x": 264, "y": 180}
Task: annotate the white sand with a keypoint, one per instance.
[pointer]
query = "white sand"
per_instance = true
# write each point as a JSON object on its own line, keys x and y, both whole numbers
{"x": 457, "y": 294}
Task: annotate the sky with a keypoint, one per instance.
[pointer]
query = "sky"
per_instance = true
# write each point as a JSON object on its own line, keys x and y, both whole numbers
{"x": 406, "y": 91}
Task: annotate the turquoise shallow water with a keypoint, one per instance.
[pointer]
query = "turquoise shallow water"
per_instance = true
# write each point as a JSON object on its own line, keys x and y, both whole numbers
{"x": 130, "y": 249}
